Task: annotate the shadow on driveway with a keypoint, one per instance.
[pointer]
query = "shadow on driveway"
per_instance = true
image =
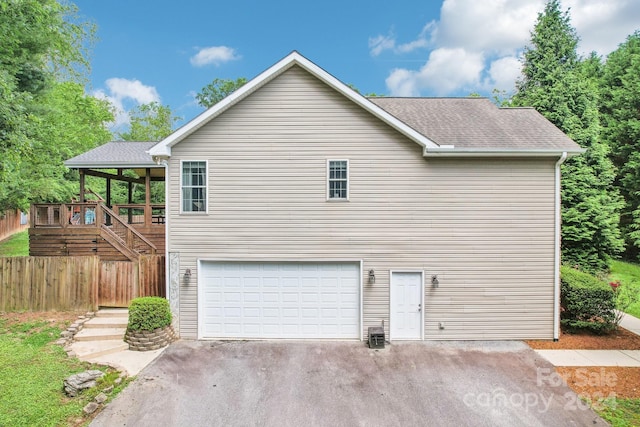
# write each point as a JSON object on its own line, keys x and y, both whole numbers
{"x": 262, "y": 383}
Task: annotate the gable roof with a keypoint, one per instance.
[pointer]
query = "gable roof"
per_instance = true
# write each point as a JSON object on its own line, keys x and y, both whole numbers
{"x": 163, "y": 148}
{"x": 477, "y": 125}
{"x": 116, "y": 154}
{"x": 442, "y": 126}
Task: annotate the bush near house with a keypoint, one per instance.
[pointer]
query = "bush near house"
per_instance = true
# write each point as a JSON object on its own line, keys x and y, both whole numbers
{"x": 587, "y": 303}
{"x": 148, "y": 314}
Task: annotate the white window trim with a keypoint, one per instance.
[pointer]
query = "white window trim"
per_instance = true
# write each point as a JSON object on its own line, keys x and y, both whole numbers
{"x": 206, "y": 187}
{"x": 330, "y": 199}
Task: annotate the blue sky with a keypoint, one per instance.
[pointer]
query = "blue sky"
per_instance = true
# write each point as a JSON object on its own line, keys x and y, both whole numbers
{"x": 167, "y": 51}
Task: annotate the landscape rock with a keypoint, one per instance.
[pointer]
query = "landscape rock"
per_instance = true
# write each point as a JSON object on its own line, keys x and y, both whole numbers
{"x": 78, "y": 382}
{"x": 90, "y": 408}
{"x": 101, "y": 398}
{"x": 108, "y": 389}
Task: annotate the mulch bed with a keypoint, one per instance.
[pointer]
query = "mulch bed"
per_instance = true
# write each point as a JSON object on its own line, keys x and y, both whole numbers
{"x": 621, "y": 339}
{"x": 597, "y": 382}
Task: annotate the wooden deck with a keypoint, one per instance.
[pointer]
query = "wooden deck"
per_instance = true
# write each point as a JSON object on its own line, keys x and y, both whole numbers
{"x": 91, "y": 228}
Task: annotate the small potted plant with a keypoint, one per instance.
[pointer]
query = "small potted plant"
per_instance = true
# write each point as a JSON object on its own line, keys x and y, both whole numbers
{"x": 149, "y": 326}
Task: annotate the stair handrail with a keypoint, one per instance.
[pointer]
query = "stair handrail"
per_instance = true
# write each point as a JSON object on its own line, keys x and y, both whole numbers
{"x": 131, "y": 231}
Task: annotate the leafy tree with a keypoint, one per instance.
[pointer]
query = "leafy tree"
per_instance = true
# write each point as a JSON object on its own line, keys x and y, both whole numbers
{"x": 564, "y": 89}
{"x": 150, "y": 122}
{"x": 620, "y": 108}
{"x": 41, "y": 44}
{"x": 68, "y": 122}
{"x": 217, "y": 90}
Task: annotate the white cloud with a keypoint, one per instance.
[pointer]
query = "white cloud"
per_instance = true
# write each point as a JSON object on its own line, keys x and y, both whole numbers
{"x": 603, "y": 24}
{"x": 503, "y": 74}
{"x": 215, "y": 55}
{"x": 445, "y": 71}
{"x": 122, "y": 93}
{"x": 487, "y": 38}
{"x": 490, "y": 25}
{"x": 381, "y": 43}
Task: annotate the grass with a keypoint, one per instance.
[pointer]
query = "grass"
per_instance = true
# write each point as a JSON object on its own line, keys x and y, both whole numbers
{"x": 624, "y": 413}
{"x": 32, "y": 370}
{"x": 16, "y": 245}
{"x": 628, "y": 274}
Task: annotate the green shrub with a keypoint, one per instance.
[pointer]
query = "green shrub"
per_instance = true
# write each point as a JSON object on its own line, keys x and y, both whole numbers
{"x": 587, "y": 303}
{"x": 148, "y": 313}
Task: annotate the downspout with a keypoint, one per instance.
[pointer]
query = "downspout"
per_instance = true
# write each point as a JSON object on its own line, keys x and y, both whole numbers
{"x": 556, "y": 255}
{"x": 165, "y": 164}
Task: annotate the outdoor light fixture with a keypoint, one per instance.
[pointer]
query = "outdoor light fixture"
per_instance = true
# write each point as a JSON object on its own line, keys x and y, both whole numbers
{"x": 372, "y": 277}
{"x": 187, "y": 276}
{"x": 434, "y": 281}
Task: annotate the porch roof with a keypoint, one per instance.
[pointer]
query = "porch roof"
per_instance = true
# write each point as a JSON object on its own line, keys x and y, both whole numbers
{"x": 116, "y": 155}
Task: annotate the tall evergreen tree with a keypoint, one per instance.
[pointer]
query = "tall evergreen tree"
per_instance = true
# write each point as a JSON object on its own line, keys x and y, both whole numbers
{"x": 620, "y": 112}
{"x": 564, "y": 89}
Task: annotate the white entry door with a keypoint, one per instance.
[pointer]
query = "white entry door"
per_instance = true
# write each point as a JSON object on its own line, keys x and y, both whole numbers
{"x": 406, "y": 305}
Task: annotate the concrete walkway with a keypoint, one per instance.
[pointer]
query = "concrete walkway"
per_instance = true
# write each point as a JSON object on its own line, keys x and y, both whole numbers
{"x": 102, "y": 341}
{"x": 629, "y": 358}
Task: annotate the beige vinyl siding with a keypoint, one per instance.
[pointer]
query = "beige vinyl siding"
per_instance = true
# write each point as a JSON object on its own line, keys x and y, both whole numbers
{"x": 485, "y": 226}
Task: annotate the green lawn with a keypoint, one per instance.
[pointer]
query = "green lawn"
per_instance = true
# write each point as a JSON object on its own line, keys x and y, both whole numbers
{"x": 16, "y": 245}
{"x": 629, "y": 274}
{"x": 625, "y": 413}
{"x": 32, "y": 370}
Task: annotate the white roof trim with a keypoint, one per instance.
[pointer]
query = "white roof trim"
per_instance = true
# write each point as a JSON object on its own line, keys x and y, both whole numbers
{"x": 163, "y": 148}
{"x": 490, "y": 152}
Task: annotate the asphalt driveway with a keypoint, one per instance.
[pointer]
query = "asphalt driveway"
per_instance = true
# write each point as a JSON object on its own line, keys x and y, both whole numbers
{"x": 258, "y": 383}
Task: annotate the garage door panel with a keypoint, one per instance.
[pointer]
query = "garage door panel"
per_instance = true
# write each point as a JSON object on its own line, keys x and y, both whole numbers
{"x": 279, "y": 300}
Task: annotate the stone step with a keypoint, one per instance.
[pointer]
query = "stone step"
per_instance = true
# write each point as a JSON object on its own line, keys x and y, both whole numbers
{"x": 99, "y": 334}
{"x": 86, "y": 350}
{"x": 113, "y": 312}
{"x": 106, "y": 322}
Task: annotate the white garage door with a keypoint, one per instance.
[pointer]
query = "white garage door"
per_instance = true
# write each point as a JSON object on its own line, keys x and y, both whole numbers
{"x": 279, "y": 300}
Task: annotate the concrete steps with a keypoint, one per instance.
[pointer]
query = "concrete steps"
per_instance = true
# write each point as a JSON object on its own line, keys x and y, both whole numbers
{"x": 102, "y": 335}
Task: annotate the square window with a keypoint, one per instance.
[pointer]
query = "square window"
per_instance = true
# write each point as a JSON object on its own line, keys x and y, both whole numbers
{"x": 337, "y": 179}
{"x": 194, "y": 186}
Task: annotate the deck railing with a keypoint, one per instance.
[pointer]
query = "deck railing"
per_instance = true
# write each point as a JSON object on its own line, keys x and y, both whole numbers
{"x": 82, "y": 214}
{"x": 130, "y": 236}
{"x": 114, "y": 227}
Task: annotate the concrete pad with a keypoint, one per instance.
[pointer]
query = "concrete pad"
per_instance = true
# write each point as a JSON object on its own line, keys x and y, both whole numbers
{"x": 608, "y": 358}
{"x": 131, "y": 362}
{"x": 100, "y": 334}
{"x": 630, "y": 323}
{"x": 107, "y": 322}
{"x": 87, "y": 349}
{"x": 565, "y": 357}
{"x": 113, "y": 312}
{"x": 635, "y": 354}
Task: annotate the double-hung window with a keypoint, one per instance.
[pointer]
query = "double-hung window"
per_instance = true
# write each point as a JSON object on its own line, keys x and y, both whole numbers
{"x": 337, "y": 179}
{"x": 194, "y": 186}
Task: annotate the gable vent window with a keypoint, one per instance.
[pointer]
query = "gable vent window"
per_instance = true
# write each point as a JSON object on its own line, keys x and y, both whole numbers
{"x": 194, "y": 186}
{"x": 338, "y": 180}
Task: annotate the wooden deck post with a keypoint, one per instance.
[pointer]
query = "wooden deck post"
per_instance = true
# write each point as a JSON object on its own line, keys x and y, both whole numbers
{"x": 81, "y": 171}
{"x": 147, "y": 198}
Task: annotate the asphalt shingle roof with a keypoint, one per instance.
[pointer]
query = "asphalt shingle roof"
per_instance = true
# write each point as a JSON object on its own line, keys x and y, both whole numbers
{"x": 115, "y": 154}
{"x": 476, "y": 123}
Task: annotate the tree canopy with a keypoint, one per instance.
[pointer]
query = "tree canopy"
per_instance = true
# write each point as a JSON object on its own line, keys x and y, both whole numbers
{"x": 217, "y": 90}
{"x": 565, "y": 90}
{"x": 149, "y": 122}
{"x": 41, "y": 117}
{"x": 620, "y": 108}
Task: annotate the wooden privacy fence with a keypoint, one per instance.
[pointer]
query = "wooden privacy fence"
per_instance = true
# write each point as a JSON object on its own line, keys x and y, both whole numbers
{"x": 77, "y": 283}
{"x": 10, "y": 222}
